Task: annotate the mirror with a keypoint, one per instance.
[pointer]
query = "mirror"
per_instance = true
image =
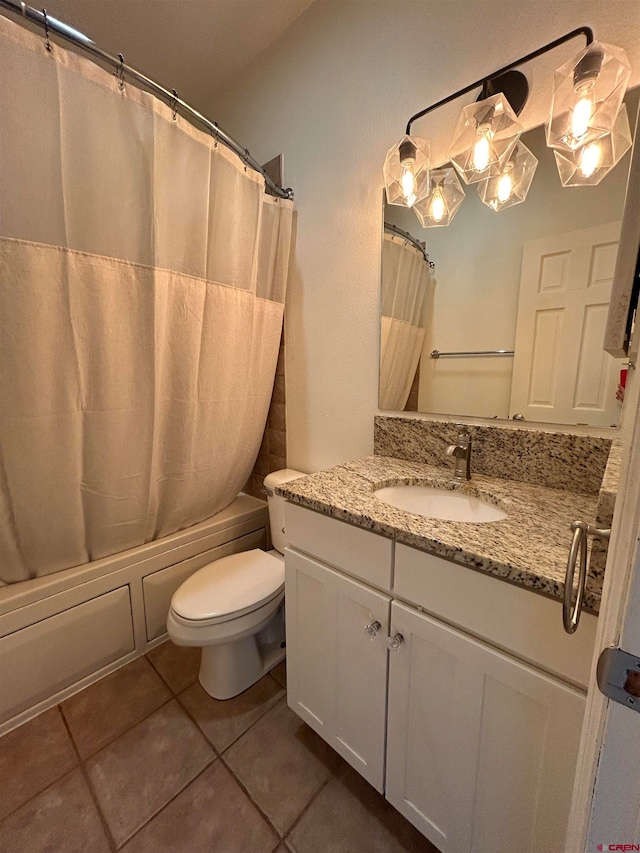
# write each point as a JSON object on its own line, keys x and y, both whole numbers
{"x": 510, "y": 320}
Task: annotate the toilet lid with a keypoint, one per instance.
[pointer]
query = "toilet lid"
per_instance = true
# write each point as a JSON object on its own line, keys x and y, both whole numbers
{"x": 236, "y": 584}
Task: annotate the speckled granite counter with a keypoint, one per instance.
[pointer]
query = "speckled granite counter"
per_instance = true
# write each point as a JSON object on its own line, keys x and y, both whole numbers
{"x": 529, "y": 547}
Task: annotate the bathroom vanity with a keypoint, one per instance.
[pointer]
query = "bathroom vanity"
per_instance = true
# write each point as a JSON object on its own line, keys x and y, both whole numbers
{"x": 456, "y": 694}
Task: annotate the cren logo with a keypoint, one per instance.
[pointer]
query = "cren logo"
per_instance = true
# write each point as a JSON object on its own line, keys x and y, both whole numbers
{"x": 623, "y": 848}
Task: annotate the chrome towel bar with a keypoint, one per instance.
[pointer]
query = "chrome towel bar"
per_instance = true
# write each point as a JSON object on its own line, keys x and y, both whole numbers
{"x": 437, "y": 354}
{"x": 571, "y": 612}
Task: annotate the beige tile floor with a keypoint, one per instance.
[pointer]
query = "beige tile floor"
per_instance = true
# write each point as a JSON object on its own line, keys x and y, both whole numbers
{"x": 144, "y": 761}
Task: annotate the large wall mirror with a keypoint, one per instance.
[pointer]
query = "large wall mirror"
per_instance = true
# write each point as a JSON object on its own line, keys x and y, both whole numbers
{"x": 505, "y": 317}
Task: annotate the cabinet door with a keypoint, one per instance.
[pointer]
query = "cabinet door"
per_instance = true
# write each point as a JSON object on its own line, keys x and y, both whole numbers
{"x": 336, "y": 674}
{"x": 481, "y": 749}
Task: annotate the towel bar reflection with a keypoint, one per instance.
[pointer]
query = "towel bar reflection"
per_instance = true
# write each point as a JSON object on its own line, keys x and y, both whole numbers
{"x": 437, "y": 354}
{"x": 571, "y": 613}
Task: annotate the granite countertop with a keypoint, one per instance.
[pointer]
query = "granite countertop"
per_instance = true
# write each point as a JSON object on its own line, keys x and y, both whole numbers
{"x": 529, "y": 548}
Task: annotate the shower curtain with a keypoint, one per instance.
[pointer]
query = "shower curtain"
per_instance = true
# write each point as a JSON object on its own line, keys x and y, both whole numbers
{"x": 142, "y": 279}
{"x": 407, "y": 292}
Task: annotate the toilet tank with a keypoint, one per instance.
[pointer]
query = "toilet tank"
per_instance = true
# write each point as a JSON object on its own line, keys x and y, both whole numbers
{"x": 276, "y": 505}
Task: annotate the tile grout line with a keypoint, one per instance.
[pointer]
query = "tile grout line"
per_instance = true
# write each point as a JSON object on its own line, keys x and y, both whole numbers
{"x": 168, "y": 803}
{"x": 110, "y": 839}
{"x": 120, "y": 734}
{"x": 230, "y": 771}
{"x": 306, "y": 808}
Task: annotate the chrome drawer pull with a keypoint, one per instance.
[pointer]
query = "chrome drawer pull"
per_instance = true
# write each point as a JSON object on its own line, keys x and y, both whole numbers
{"x": 571, "y": 612}
{"x": 372, "y": 630}
{"x": 394, "y": 643}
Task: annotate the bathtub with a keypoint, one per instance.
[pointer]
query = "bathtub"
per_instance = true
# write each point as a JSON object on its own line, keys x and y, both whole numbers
{"x": 60, "y": 632}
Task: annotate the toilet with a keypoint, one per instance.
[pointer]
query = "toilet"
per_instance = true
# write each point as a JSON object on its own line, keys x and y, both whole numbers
{"x": 234, "y": 609}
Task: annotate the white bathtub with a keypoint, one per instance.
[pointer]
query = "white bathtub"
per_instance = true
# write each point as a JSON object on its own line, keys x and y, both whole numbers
{"x": 60, "y": 632}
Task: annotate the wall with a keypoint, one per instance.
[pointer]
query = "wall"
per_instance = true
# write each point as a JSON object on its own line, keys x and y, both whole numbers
{"x": 332, "y": 95}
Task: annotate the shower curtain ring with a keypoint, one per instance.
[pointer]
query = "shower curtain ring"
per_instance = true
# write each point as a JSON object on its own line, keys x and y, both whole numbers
{"x": 174, "y": 105}
{"x": 214, "y": 134}
{"x": 119, "y": 72}
{"x": 47, "y": 43}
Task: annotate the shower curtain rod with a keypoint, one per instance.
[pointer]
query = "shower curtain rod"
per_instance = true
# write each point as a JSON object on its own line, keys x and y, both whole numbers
{"x": 70, "y": 34}
{"x": 390, "y": 228}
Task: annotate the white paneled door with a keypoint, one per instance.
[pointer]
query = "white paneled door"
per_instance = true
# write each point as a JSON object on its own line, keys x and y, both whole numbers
{"x": 561, "y": 373}
{"x": 481, "y": 749}
{"x": 336, "y": 671}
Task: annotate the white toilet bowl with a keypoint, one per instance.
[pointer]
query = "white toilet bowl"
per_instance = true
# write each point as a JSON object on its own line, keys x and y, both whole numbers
{"x": 234, "y": 609}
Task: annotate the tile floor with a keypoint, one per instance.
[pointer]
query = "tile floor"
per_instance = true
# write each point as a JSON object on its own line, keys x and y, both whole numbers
{"x": 145, "y": 761}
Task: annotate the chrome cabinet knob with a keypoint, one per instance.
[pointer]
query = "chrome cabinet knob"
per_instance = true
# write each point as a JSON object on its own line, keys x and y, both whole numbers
{"x": 372, "y": 630}
{"x": 394, "y": 643}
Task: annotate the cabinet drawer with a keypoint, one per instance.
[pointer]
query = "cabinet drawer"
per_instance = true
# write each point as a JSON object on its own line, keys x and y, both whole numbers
{"x": 44, "y": 658}
{"x": 158, "y": 587}
{"x": 518, "y": 620}
{"x": 355, "y": 551}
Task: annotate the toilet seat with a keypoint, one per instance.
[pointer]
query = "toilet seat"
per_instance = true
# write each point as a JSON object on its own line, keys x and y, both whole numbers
{"x": 229, "y": 588}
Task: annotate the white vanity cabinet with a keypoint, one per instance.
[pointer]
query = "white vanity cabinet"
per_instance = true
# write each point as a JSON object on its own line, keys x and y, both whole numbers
{"x": 481, "y": 749}
{"x": 336, "y": 673}
{"x": 476, "y": 745}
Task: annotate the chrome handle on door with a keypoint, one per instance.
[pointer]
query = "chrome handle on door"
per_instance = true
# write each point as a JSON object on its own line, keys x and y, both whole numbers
{"x": 571, "y": 612}
{"x": 372, "y": 629}
{"x": 394, "y": 643}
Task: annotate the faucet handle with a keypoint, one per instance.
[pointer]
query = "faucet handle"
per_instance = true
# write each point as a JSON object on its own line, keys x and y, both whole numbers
{"x": 464, "y": 438}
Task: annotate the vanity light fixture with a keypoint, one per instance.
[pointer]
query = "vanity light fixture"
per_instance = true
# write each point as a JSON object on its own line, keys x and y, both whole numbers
{"x": 589, "y": 164}
{"x": 587, "y": 97}
{"x": 588, "y": 130}
{"x": 512, "y": 184}
{"x": 446, "y": 194}
{"x": 406, "y": 171}
{"x": 485, "y": 136}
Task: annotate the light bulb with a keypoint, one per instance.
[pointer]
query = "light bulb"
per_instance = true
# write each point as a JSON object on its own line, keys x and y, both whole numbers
{"x": 505, "y": 186}
{"x": 581, "y": 116}
{"x": 408, "y": 181}
{"x": 437, "y": 208}
{"x": 590, "y": 159}
{"x": 482, "y": 150}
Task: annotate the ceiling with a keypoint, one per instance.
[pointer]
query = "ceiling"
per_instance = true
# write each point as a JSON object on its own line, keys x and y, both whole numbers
{"x": 193, "y": 46}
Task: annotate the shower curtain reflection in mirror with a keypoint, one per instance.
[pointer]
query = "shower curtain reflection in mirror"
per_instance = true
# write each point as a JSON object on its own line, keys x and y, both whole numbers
{"x": 142, "y": 278}
{"x": 407, "y": 294}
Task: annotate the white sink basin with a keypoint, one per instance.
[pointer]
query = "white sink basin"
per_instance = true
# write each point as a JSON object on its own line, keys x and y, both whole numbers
{"x": 440, "y": 503}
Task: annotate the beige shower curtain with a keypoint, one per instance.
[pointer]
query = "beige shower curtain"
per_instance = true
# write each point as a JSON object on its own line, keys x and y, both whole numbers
{"x": 407, "y": 291}
{"x": 142, "y": 279}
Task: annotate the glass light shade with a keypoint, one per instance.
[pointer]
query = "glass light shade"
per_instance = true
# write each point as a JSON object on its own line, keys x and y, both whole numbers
{"x": 512, "y": 184}
{"x": 406, "y": 171}
{"x": 485, "y": 135}
{"x": 587, "y": 96}
{"x": 443, "y": 200}
{"x": 590, "y": 163}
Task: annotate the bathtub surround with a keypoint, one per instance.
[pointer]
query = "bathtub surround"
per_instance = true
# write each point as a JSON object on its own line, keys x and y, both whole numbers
{"x": 144, "y": 272}
{"x": 65, "y": 630}
{"x": 272, "y": 455}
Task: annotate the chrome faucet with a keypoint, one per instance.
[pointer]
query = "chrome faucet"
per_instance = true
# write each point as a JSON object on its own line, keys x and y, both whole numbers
{"x": 462, "y": 454}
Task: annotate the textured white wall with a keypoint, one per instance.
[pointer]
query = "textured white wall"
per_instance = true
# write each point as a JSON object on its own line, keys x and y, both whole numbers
{"x": 332, "y": 95}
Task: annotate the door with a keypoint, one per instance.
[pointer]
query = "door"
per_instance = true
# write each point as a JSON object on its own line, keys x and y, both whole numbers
{"x": 605, "y": 808}
{"x": 336, "y": 671}
{"x": 561, "y": 374}
{"x": 481, "y": 749}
